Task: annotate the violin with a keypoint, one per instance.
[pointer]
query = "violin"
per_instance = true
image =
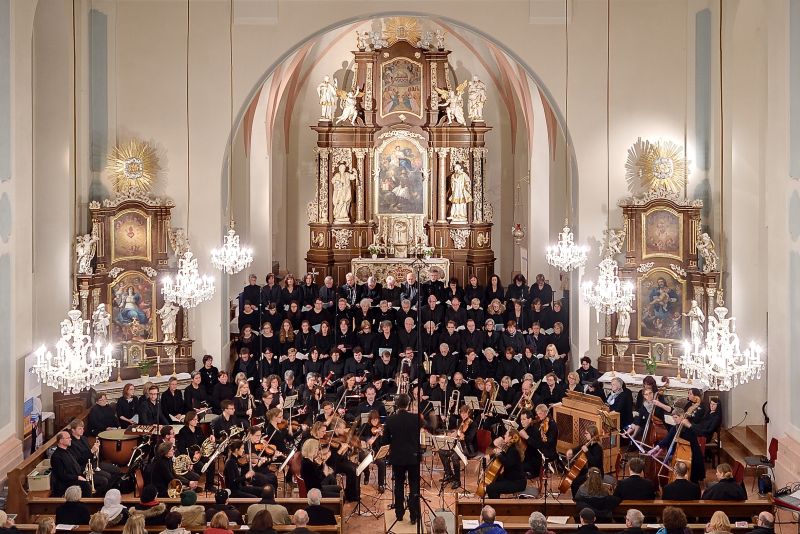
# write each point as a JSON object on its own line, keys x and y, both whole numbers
{"x": 463, "y": 427}
{"x": 376, "y": 430}
{"x": 283, "y": 425}
{"x": 544, "y": 426}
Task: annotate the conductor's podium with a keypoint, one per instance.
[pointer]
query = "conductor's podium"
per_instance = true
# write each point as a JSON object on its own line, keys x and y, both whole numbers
{"x": 576, "y": 412}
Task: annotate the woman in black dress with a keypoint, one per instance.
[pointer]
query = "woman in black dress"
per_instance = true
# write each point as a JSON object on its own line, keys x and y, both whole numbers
{"x": 323, "y": 339}
{"x": 512, "y": 477}
{"x": 494, "y": 291}
{"x": 594, "y": 455}
{"x": 291, "y": 291}
{"x": 286, "y": 337}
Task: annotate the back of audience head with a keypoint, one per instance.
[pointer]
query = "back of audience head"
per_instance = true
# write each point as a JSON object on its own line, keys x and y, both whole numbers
{"x": 220, "y": 520}
{"x": 673, "y": 518}
{"x": 636, "y": 465}
{"x": 221, "y": 496}
{"x": 488, "y": 514}
{"x": 719, "y": 522}
{"x": 634, "y": 518}
{"x": 681, "y": 469}
{"x": 439, "y": 525}
{"x": 73, "y": 494}
{"x": 5, "y": 521}
{"x": 587, "y": 516}
{"x": 173, "y": 520}
{"x": 46, "y": 525}
{"x": 314, "y": 497}
{"x": 538, "y": 523}
{"x": 98, "y": 522}
{"x": 300, "y": 518}
{"x": 766, "y": 520}
{"x": 134, "y": 525}
{"x": 724, "y": 471}
{"x": 262, "y": 521}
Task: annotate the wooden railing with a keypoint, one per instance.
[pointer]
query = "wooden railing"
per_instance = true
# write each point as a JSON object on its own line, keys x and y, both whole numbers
{"x": 156, "y": 529}
{"x": 519, "y": 525}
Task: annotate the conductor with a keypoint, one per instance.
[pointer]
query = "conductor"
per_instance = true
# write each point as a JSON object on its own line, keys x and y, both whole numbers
{"x": 402, "y": 434}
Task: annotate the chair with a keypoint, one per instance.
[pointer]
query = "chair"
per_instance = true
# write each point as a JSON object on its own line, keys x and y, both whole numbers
{"x": 762, "y": 462}
{"x": 713, "y": 446}
{"x": 302, "y": 491}
{"x": 738, "y": 472}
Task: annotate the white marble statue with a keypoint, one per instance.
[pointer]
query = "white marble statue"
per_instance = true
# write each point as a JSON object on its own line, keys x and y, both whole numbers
{"x": 85, "y": 247}
{"x": 178, "y": 241}
{"x": 624, "y": 321}
{"x": 349, "y": 103}
{"x": 440, "y": 39}
{"x": 101, "y": 320}
{"x": 696, "y": 320}
{"x": 425, "y": 40}
{"x": 342, "y": 194}
{"x": 476, "y": 99}
{"x": 327, "y": 97}
{"x": 706, "y": 249}
{"x": 169, "y": 315}
{"x": 378, "y": 41}
{"x": 460, "y": 194}
{"x": 362, "y": 40}
{"x": 453, "y": 103}
{"x": 612, "y": 242}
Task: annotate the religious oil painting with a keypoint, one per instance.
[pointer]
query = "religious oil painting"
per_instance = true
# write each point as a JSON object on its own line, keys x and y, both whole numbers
{"x": 660, "y": 303}
{"x": 401, "y": 87}
{"x": 400, "y": 170}
{"x": 130, "y": 236}
{"x": 133, "y": 303}
{"x": 662, "y": 233}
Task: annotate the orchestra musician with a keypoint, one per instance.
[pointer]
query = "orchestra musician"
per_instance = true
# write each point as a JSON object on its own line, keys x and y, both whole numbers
{"x": 244, "y": 404}
{"x": 372, "y": 439}
{"x": 65, "y": 469}
{"x": 101, "y": 416}
{"x": 278, "y": 431}
{"x": 162, "y": 471}
{"x": 238, "y": 477}
{"x": 620, "y": 400}
{"x": 541, "y": 435}
{"x": 260, "y": 454}
{"x": 402, "y": 433}
{"x": 594, "y": 455}
{"x": 340, "y": 461}
{"x": 127, "y": 406}
{"x": 510, "y": 452}
{"x": 465, "y": 433}
{"x": 221, "y": 426}
{"x": 314, "y": 469}
{"x": 189, "y": 441}
{"x": 195, "y": 395}
{"x": 682, "y": 423}
{"x": 83, "y": 454}
{"x": 172, "y": 401}
{"x": 650, "y": 408}
{"x": 149, "y": 414}
{"x": 371, "y": 403}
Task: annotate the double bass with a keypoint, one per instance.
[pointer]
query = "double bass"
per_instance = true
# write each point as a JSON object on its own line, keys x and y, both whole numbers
{"x": 578, "y": 463}
{"x": 679, "y": 450}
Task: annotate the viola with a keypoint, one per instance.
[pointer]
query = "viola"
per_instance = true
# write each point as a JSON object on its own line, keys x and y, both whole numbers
{"x": 376, "y": 430}
{"x": 463, "y": 427}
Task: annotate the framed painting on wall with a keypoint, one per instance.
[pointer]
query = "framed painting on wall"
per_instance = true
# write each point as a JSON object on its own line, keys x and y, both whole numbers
{"x": 401, "y": 166}
{"x": 662, "y": 233}
{"x": 401, "y": 87}
{"x": 130, "y": 236}
{"x": 132, "y": 298}
{"x": 660, "y": 305}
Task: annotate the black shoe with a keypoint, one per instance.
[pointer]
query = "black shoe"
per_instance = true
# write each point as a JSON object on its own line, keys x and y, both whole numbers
{"x": 414, "y": 520}
{"x": 399, "y": 516}
{"x": 381, "y": 488}
{"x": 456, "y": 484}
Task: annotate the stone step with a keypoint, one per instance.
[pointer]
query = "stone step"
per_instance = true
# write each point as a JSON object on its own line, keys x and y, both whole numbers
{"x": 759, "y": 433}
{"x": 745, "y": 440}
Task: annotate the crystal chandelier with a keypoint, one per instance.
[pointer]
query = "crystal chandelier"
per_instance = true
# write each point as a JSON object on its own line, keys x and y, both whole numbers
{"x": 189, "y": 288}
{"x": 231, "y": 258}
{"x": 78, "y": 363}
{"x": 609, "y": 294}
{"x": 565, "y": 254}
{"x": 720, "y": 363}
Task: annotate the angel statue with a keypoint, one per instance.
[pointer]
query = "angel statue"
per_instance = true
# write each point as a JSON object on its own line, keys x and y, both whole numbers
{"x": 425, "y": 40}
{"x": 705, "y": 247}
{"x": 168, "y": 314}
{"x": 349, "y": 105}
{"x": 460, "y": 194}
{"x": 327, "y": 97}
{"x": 342, "y": 194}
{"x": 362, "y": 40}
{"x": 696, "y": 318}
{"x": 440, "y": 39}
{"x": 101, "y": 320}
{"x": 85, "y": 247}
{"x": 453, "y": 103}
{"x": 624, "y": 320}
{"x": 178, "y": 241}
{"x": 612, "y": 242}
{"x": 476, "y": 99}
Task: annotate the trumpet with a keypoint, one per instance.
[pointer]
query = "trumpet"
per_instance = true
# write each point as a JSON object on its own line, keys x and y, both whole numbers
{"x": 88, "y": 474}
{"x": 402, "y": 384}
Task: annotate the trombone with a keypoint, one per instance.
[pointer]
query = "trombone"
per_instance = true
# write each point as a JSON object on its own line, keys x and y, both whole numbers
{"x": 525, "y": 402}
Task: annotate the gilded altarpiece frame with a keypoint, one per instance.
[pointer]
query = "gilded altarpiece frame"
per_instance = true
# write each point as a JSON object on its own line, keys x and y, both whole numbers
{"x": 400, "y": 174}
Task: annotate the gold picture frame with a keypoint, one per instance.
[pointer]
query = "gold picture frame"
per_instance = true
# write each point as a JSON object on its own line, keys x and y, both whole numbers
{"x": 401, "y": 82}
{"x": 662, "y": 234}
{"x": 131, "y": 236}
{"x": 660, "y": 306}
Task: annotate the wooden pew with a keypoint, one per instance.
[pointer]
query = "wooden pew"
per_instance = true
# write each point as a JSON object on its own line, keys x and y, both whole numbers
{"x": 471, "y": 508}
{"x": 519, "y": 525}
{"x": 46, "y": 506}
{"x": 156, "y": 529}
{"x": 18, "y": 477}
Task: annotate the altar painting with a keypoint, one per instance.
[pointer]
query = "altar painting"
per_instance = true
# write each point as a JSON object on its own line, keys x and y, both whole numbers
{"x": 399, "y": 171}
{"x": 133, "y": 298}
{"x": 660, "y": 303}
{"x": 662, "y": 233}
{"x": 130, "y": 236}
{"x": 401, "y": 84}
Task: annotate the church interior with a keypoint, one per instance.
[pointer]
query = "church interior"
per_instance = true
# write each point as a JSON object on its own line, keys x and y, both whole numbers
{"x": 449, "y": 266}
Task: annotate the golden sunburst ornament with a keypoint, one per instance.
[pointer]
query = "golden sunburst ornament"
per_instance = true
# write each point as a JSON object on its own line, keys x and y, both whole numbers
{"x": 133, "y": 167}
{"x": 659, "y": 166}
{"x": 402, "y": 29}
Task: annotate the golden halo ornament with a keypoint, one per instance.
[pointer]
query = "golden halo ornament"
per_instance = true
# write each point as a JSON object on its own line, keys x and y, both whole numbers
{"x": 133, "y": 167}
{"x": 402, "y": 29}
{"x": 659, "y": 166}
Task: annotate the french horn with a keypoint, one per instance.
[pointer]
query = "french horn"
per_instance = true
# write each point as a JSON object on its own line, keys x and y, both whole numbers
{"x": 174, "y": 489}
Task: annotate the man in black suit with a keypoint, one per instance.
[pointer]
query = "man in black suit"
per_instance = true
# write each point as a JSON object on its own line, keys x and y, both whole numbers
{"x": 635, "y": 487}
{"x": 300, "y": 520}
{"x": 633, "y": 522}
{"x": 681, "y": 489}
{"x": 318, "y": 514}
{"x": 65, "y": 470}
{"x": 402, "y": 434}
{"x": 765, "y": 524}
{"x": 620, "y": 400}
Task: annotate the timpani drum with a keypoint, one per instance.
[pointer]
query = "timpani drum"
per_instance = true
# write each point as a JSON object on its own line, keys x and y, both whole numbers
{"x": 116, "y": 446}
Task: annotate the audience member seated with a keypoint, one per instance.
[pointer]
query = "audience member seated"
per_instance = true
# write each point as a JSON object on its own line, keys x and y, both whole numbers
{"x": 280, "y": 515}
{"x": 439, "y": 525}
{"x": 727, "y": 489}
{"x": 681, "y": 489}
{"x": 719, "y": 523}
{"x": 98, "y": 523}
{"x": 765, "y": 524}
{"x": 318, "y": 514}
{"x": 635, "y": 487}
{"x": 193, "y": 514}
{"x": 46, "y": 525}
{"x": 262, "y": 523}
{"x": 593, "y": 494}
{"x": 593, "y": 486}
{"x": 7, "y": 524}
{"x": 114, "y": 510}
{"x": 538, "y": 523}
{"x": 674, "y": 521}
{"x": 300, "y": 521}
{"x": 72, "y": 512}
{"x": 148, "y": 507}
{"x": 134, "y": 525}
{"x": 219, "y": 525}
{"x": 487, "y": 525}
{"x": 172, "y": 522}
{"x": 633, "y": 522}
{"x": 221, "y": 500}
{"x": 587, "y": 518}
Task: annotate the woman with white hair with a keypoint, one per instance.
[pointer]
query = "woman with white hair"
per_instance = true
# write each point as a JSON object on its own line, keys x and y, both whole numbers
{"x": 538, "y": 523}
{"x": 72, "y": 512}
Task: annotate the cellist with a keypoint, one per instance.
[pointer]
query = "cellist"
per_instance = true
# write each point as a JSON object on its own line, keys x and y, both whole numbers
{"x": 512, "y": 477}
{"x": 466, "y": 433}
{"x": 650, "y": 410}
{"x": 684, "y": 426}
{"x": 594, "y": 455}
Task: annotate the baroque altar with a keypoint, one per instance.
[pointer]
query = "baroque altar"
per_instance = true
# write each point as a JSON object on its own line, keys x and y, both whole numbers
{"x": 399, "y": 170}
{"x": 380, "y": 268}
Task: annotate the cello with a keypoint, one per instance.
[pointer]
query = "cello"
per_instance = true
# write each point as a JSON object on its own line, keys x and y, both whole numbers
{"x": 495, "y": 467}
{"x": 679, "y": 450}
{"x": 576, "y": 466}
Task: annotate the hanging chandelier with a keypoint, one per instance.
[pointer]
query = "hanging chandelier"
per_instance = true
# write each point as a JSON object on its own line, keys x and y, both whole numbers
{"x": 719, "y": 362}
{"x": 565, "y": 254}
{"x": 189, "y": 288}
{"x": 609, "y": 294}
{"x": 232, "y": 257}
{"x": 79, "y": 363}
